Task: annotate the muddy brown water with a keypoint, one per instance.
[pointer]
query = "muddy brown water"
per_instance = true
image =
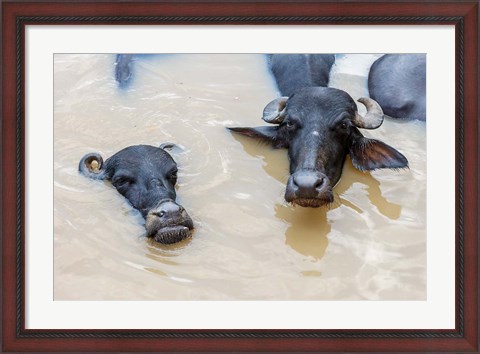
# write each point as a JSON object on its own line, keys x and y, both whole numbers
{"x": 248, "y": 243}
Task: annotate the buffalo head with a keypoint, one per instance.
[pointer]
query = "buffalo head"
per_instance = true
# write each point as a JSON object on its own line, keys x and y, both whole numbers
{"x": 146, "y": 176}
{"x": 319, "y": 126}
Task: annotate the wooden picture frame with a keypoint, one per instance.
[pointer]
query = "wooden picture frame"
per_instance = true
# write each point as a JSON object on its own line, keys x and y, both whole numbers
{"x": 17, "y": 14}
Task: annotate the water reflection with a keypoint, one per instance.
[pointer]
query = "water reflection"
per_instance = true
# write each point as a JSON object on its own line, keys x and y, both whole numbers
{"x": 308, "y": 230}
{"x": 275, "y": 161}
{"x": 161, "y": 249}
{"x": 350, "y": 176}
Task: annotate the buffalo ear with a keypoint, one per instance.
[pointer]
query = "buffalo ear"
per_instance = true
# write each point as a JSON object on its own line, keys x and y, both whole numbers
{"x": 91, "y": 165}
{"x": 167, "y": 146}
{"x": 370, "y": 154}
{"x": 265, "y": 134}
{"x": 171, "y": 146}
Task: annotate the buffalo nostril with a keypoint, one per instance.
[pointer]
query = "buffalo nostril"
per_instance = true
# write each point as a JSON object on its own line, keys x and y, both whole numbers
{"x": 319, "y": 183}
{"x": 294, "y": 183}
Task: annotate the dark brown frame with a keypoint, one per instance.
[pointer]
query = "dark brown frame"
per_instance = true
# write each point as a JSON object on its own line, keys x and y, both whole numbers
{"x": 16, "y": 14}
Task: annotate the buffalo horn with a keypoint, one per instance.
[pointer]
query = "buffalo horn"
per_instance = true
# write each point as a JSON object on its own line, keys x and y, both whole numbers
{"x": 274, "y": 112}
{"x": 374, "y": 116}
{"x": 91, "y": 165}
{"x": 167, "y": 146}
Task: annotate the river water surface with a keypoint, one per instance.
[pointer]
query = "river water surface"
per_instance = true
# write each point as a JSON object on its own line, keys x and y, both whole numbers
{"x": 248, "y": 243}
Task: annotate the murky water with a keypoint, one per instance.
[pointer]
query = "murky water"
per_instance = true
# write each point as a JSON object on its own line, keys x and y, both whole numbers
{"x": 248, "y": 243}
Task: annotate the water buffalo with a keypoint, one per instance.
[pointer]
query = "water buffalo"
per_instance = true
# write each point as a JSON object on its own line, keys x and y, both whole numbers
{"x": 319, "y": 126}
{"x": 397, "y": 82}
{"x": 310, "y": 70}
{"x": 146, "y": 176}
{"x": 123, "y": 68}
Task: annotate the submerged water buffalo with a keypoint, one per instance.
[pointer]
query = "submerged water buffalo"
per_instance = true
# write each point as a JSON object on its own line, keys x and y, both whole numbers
{"x": 146, "y": 176}
{"x": 310, "y": 71}
{"x": 319, "y": 126}
{"x": 397, "y": 82}
{"x": 123, "y": 68}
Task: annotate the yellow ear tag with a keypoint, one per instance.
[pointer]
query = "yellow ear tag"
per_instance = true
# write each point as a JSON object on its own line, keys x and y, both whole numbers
{"x": 94, "y": 165}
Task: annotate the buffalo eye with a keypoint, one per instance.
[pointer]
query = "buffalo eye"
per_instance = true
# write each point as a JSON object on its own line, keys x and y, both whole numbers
{"x": 173, "y": 176}
{"x": 122, "y": 181}
{"x": 291, "y": 125}
{"x": 343, "y": 125}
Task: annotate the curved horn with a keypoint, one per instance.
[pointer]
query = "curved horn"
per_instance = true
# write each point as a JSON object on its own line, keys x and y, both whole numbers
{"x": 167, "y": 146}
{"x": 374, "y": 117}
{"x": 274, "y": 112}
{"x": 91, "y": 165}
